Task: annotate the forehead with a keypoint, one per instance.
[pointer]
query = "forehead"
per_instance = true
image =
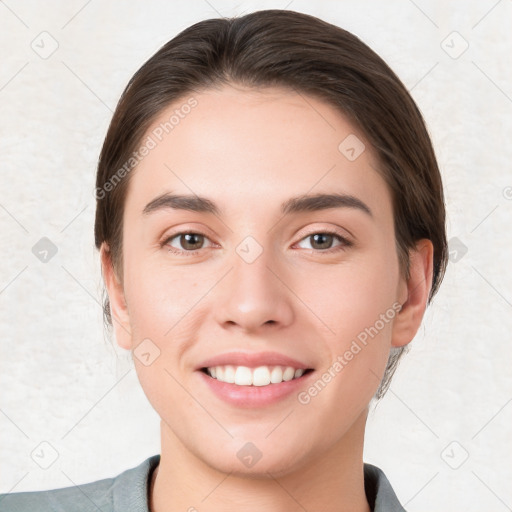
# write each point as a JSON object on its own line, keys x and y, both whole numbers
{"x": 248, "y": 147}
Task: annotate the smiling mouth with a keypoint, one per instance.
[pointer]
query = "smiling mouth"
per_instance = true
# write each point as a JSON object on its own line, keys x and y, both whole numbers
{"x": 260, "y": 376}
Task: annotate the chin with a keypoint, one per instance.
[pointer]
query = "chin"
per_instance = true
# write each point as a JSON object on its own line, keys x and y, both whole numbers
{"x": 271, "y": 465}
{"x": 254, "y": 459}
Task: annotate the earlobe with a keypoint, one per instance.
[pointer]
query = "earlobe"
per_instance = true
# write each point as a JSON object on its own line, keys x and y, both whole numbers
{"x": 418, "y": 288}
{"x": 118, "y": 307}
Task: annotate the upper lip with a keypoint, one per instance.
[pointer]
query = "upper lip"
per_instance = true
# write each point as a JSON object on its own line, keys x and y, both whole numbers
{"x": 252, "y": 360}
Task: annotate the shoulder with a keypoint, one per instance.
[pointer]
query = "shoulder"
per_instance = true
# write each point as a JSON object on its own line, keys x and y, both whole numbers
{"x": 93, "y": 495}
{"x": 379, "y": 493}
{"x": 125, "y": 492}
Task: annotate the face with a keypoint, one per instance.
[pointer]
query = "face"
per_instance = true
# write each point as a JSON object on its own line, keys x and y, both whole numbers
{"x": 241, "y": 275}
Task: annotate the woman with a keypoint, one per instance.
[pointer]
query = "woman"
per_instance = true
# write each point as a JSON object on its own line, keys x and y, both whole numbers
{"x": 271, "y": 227}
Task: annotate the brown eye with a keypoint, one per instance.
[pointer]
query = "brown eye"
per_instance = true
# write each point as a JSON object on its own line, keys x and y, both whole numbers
{"x": 182, "y": 243}
{"x": 322, "y": 240}
{"x": 191, "y": 241}
{"x": 325, "y": 241}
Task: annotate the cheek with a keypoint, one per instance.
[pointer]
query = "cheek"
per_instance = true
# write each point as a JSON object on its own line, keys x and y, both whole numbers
{"x": 358, "y": 304}
{"x": 167, "y": 307}
{"x": 349, "y": 298}
{"x": 162, "y": 318}
{"x": 159, "y": 296}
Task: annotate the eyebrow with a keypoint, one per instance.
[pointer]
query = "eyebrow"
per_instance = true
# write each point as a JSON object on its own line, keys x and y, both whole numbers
{"x": 299, "y": 204}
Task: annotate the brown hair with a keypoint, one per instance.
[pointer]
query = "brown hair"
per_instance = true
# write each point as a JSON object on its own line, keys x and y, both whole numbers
{"x": 297, "y": 51}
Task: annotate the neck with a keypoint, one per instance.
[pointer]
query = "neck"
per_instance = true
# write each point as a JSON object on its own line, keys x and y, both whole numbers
{"x": 331, "y": 481}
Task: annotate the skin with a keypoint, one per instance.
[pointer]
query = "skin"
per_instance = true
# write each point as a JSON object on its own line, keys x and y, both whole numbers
{"x": 248, "y": 151}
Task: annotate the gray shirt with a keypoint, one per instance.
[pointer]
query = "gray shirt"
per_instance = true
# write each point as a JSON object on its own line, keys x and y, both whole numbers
{"x": 128, "y": 492}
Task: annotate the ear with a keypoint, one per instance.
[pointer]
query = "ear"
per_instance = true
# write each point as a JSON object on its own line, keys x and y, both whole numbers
{"x": 118, "y": 307}
{"x": 414, "y": 293}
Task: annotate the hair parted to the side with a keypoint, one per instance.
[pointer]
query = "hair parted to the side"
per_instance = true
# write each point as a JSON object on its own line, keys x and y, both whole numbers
{"x": 310, "y": 56}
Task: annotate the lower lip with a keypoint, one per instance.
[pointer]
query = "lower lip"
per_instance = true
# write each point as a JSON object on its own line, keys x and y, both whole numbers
{"x": 254, "y": 396}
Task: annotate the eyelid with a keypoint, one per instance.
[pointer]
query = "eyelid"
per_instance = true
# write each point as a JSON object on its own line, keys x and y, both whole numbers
{"x": 173, "y": 231}
{"x": 345, "y": 234}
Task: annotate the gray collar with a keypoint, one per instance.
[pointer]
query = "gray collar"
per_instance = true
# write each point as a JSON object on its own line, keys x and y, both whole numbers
{"x": 130, "y": 488}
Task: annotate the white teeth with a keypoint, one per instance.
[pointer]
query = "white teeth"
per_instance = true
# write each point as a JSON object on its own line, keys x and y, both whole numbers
{"x": 277, "y": 375}
{"x": 243, "y": 376}
{"x": 289, "y": 373}
{"x": 299, "y": 373}
{"x": 229, "y": 374}
{"x": 260, "y": 376}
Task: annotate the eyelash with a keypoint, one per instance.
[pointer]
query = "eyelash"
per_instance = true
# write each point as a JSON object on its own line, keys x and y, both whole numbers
{"x": 345, "y": 243}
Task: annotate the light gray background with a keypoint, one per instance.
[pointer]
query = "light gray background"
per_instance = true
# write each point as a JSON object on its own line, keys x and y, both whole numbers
{"x": 64, "y": 384}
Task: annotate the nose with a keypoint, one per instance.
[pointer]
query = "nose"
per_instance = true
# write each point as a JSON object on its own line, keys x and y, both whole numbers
{"x": 254, "y": 295}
